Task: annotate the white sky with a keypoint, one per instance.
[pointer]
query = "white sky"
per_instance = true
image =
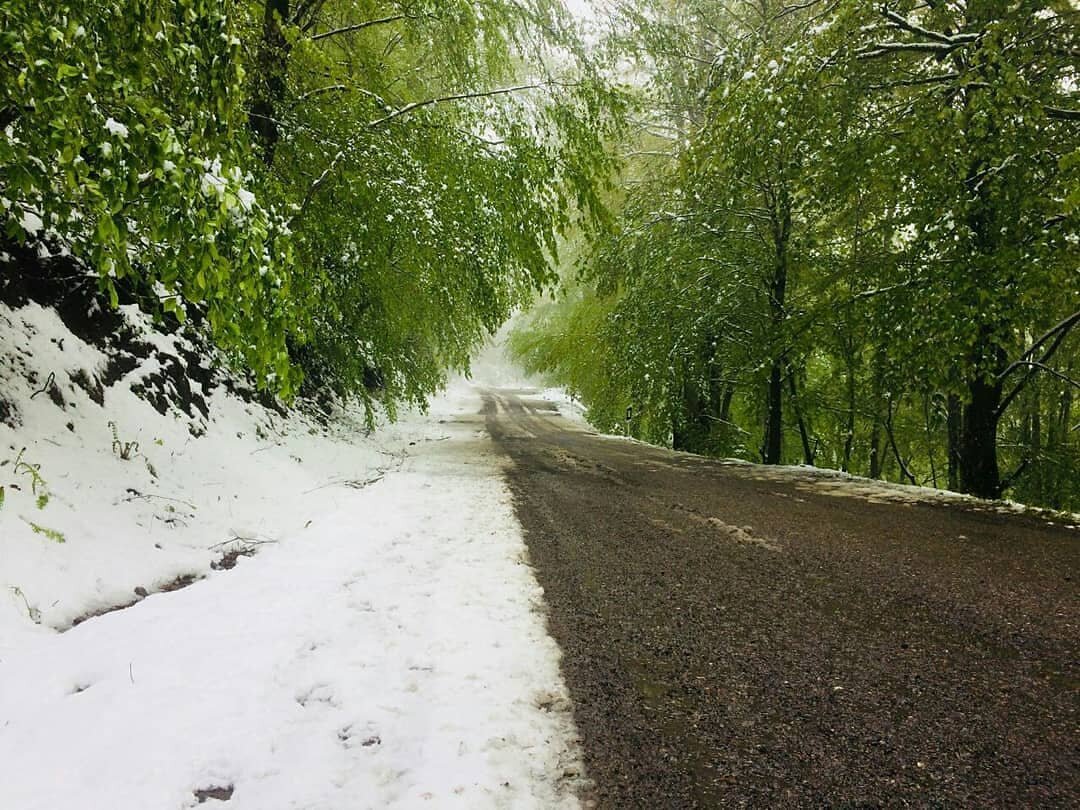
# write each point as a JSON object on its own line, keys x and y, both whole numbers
{"x": 581, "y": 9}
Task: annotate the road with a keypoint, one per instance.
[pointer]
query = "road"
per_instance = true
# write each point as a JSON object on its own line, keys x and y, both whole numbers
{"x": 739, "y": 636}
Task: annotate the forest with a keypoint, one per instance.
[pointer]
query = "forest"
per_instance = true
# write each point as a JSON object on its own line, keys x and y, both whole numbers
{"x": 829, "y": 232}
{"x": 846, "y": 236}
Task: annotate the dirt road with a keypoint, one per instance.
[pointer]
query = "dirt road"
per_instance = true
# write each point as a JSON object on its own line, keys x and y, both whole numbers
{"x": 739, "y": 636}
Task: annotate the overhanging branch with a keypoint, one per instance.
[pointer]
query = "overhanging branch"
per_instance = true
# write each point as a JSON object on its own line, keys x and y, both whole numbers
{"x": 348, "y": 29}
{"x": 416, "y": 105}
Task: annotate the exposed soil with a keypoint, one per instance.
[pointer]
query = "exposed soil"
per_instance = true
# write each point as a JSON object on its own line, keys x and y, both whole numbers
{"x": 182, "y": 581}
{"x": 736, "y": 636}
{"x": 229, "y": 559}
{"x": 182, "y": 382}
{"x": 221, "y": 794}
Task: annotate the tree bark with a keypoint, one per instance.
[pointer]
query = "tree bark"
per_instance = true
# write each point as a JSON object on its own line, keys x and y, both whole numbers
{"x": 774, "y": 423}
{"x": 269, "y": 91}
{"x": 849, "y": 427}
{"x": 904, "y": 471}
{"x": 875, "y": 449}
{"x": 804, "y": 432}
{"x": 774, "y": 415}
{"x": 978, "y": 460}
{"x": 953, "y": 420}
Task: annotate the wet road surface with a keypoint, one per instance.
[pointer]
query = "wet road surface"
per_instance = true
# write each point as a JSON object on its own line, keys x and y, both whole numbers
{"x": 740, "y": 636}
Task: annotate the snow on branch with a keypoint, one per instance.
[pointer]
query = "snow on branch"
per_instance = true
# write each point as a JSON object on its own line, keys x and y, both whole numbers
{"x": 903, "y": 23}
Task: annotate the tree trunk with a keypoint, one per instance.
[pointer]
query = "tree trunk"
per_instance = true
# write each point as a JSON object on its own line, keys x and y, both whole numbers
{"x": 875, "y": 431}
{"x": 953, "y": 420}
{"x": 875, "y": 449}
{"x": 725, "y": 403}
{"x": 691, "y": 425}
{"x": 849, "y": 432}
{"x": 978, "y": 461}
{"x": 804, "y": 433}
{"x": 927, "y": 422}
{"x": 904, "y": 471}
{"x": 774, "y": 422}
{"x": 774, "y": 415}
{"x": 269, "y": 90}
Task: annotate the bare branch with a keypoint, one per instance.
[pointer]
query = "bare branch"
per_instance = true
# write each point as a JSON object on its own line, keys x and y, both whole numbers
{"x": 330, "y": 88}
{"x": 1051, "y": 371}
{"x": 313, "y": 189}
{"x": 1054, "y": 336}
{"x": 899, "y": 21}
{"x": 886, "y": 48}
{"x": 944, "y": 77}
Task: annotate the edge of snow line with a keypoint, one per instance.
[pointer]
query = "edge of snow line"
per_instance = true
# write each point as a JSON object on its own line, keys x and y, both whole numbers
{"x": 393, "y": 653}
{"x": 854, "y": 486}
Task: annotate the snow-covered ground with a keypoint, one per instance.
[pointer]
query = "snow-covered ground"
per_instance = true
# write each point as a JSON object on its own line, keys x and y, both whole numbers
{"x": 385, "y": 647}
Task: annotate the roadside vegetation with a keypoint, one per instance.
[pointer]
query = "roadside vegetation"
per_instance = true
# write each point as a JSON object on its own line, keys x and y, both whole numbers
{"x": 847, "y": 237}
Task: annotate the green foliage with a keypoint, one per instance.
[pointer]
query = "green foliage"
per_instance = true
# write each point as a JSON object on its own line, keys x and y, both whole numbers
{"x": 38, "y": 486}
{"x": 427, "y": 200}
{"x": 353, "y": 191}
{"x": 123, "y": 137}
{"x": 40, "y": 490}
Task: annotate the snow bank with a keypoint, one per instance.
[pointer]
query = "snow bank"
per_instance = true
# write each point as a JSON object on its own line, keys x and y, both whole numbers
{"x": 135, "y": 497}
{"x": 385, "y": 648}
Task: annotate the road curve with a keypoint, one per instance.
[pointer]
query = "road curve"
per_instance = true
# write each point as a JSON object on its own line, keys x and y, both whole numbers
{"x": 739, "y": 636}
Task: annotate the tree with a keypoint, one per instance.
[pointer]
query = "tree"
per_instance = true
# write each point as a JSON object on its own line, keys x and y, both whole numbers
{"x": 123, "y": 138}
{"x": 431, "y": 153}
{"x": 986, "y": 134}
{"x": 862, "y": 235}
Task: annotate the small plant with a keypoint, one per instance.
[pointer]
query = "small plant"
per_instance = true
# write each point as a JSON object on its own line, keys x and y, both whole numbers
{"x": 31, "y": 611}
{"x": 38, "y": 485}
{"x": 124, "y": 450}
{"x": 52, "y": 534}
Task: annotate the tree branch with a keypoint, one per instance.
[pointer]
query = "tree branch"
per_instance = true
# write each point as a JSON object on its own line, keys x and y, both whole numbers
{"x": 416, "y": 105}
{"x": 315, "y": 186}
{"x": 1054, "y": 336}
{"x": 886, "y": 48}
{"x": 330, "y": 88}
{"x": 902, "y": 22}
{"x": 1062, "y": 114}
{"x": 348, "y": 29}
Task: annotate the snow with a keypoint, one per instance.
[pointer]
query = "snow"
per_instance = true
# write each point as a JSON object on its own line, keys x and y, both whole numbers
{"x": 116, "y": 128}
{"x": 567, "y": 405}
{"x": 31, "y": 222}
{"x": 385, "y": 647}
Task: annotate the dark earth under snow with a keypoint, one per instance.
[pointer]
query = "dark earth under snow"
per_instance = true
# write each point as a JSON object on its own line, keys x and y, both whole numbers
{"x": 740, "y": 636}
